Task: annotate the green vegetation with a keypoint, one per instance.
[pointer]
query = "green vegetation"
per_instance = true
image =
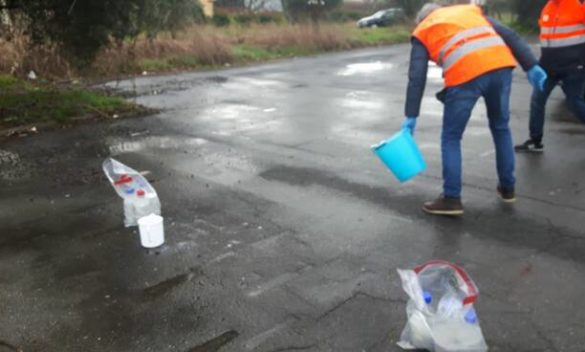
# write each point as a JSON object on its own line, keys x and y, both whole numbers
{"x": 353, "y": 38}
{"x": 154, "y": 65}
{"x": 82, "y": 28}
{"x": 378, "y": 36}
{"x": 260, "y": 43}
{"x": 182, "y": 62}
{"x": 247, "y": 53}
{"x": 24, "y": 103}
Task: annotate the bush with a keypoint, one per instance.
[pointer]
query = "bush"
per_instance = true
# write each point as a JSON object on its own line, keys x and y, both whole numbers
{"x": 221, "y": 20}
{"x": 265, "y": 19}
{"x": 344, "y": 16}
{"x": 270, "y": 17}
{"x": 243, "y": 19}
{"x": 82, "y": 28}
{"x": 301, "y": 10}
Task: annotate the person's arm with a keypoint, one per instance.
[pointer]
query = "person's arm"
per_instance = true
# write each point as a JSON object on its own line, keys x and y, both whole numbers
{"x": 417, "y": 78}
{"x": 520, "y": 49}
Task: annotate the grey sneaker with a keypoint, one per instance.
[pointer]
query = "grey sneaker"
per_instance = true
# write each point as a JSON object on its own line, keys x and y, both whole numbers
{"x": 444, "y": 206}
{"x": 530, "y": 146}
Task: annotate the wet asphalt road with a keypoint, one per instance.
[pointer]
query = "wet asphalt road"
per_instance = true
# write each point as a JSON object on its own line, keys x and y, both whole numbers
{"x": 283, "y": 230}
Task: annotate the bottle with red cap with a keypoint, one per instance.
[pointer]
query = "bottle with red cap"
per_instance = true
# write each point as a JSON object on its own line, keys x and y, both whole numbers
{"x": 144, "y": 204}
{"x": 140, "y": 198}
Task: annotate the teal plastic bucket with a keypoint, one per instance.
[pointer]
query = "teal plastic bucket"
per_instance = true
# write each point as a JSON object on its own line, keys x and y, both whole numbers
{"x": 401, "y": 155}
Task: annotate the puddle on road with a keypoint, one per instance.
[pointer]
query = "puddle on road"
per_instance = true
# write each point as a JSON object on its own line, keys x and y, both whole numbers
{"x": 225, "y": 167}
{"x": 231, "y": 111}
{"x": 365, "y": 68}
{"x": 155, "y": 142}
{"x": 228, "y": 168}
{"x": 229, "y": 119}
{"x": 247, "y": 83}
{"x": 361, "y": 100}
{"x": 128, "y": 90}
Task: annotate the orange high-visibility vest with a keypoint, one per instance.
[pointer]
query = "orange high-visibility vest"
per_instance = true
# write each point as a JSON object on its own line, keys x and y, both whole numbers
{"x": 463, "y": 43}
{"x": 562, "y": 23}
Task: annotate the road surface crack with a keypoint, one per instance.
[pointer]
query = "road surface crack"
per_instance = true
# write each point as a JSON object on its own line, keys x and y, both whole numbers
{"x": 10, "y": 346}
{"x": 294, "y": 348}
{"x": 356, "y": 295}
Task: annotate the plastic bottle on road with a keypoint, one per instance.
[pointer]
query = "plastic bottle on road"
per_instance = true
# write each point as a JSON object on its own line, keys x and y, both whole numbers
{"x": 140, "y": 198}
{"x": 154, "y": 203}
{"x": 142, "y": 205}
{"x": 129, "y": 210}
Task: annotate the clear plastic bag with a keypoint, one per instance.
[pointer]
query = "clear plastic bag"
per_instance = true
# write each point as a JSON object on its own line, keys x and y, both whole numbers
{"x": 440, "y": 311}
{"x": 140, "y": 198}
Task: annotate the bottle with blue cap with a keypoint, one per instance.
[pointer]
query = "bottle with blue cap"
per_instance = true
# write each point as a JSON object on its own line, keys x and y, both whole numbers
{"x": 129, "y": 213}
{"x": 428, "y": 297}
{"x": 471, "y": 316}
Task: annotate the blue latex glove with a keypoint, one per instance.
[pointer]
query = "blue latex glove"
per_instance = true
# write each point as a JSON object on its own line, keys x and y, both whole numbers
{"x": 409, "y": 124}
{"x": 537, "y": 77}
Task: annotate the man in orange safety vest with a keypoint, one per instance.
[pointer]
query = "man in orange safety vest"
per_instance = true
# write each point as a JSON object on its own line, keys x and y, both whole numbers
{"x": 477, "y": 55}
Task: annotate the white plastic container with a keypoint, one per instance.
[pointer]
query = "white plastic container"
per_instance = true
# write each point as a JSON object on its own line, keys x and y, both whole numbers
{"x": 151, "y": 231}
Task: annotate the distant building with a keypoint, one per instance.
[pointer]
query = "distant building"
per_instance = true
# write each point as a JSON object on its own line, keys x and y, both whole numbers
{"x": 207, "y": 6}
{"x": 272, "y": 5}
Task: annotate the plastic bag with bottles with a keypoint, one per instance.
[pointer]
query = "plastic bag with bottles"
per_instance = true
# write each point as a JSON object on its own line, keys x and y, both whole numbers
{"x": 140, "y": 198}
{"x": 440, "y": 311}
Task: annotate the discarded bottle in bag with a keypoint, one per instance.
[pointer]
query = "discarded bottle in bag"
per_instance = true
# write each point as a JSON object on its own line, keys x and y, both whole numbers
{"x": 428, "y": 297}
{"x": 140, "y": 198}
{"x": 441, "y": 316}
{"x": 145, "y": 204}
{"x": 129, "y": 214}
{"x": 449, "y": 306}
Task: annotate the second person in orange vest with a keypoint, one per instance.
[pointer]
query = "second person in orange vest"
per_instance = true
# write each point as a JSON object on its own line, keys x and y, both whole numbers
{"x": 477, "y": 55}
{"x": 562, "y": 43}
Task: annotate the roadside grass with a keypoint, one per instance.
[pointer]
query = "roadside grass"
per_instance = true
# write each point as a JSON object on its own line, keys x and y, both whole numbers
{"x": 380, "y": 36}
{"x": 255, "y": 43}
{"x": 25, "y": 103}
{"x": 201, "y": 46}
{"x": 247, "y": 53}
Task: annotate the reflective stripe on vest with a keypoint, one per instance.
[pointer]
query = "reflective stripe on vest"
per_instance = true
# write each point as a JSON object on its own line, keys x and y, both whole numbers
{"x": 562, "y": 29}
{"x": 470, "y": 47}
{"x": 576, "y": 35}
{"x": 558, "y": 43}
{"x": 468, "y": 33}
